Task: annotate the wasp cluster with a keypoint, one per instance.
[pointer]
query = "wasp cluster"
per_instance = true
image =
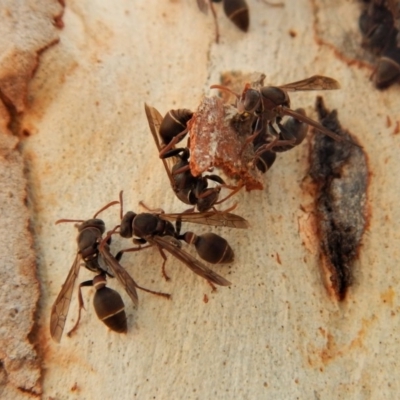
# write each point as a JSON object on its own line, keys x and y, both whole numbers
{"x": 379, "y": 24}
{"x": 242, "y": 139}
{"x": 246, "y": 137}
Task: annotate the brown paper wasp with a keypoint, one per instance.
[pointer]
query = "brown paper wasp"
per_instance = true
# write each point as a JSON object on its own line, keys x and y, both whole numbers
{"x": 271, "y": 103}
{"x": 156, "y": 229}
{"x": 96, "y": 256}
{"x": 192, "y": 190}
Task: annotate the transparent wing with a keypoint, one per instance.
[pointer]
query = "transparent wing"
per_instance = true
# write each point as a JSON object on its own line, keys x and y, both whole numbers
{"x": 60, "y": 308}
{"x": 120, "y": 273}
{"x": 315, "y": 124}
{"x": 316, "y": 82}
{"x": 154, "y": 119}
{"x": 211, "y": 218}
{"x": 195, "y": 265}
{"x": 103, "y": 266}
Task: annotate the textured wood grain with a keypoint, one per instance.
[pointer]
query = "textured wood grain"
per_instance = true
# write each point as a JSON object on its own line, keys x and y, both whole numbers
{"x": 26, "y": 30}
{"x": 275, "y": 333}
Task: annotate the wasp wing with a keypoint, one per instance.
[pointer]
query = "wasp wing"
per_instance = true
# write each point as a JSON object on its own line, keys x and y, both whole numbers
{"x": 195, "y": 265}
{"x": 311, "y": 122}
{"x": 211, "y": 218}
{"x": 120, "y": 273}
{"x": 315, "y": 82}
{"x": 60, "y": 308}
{"x": 104, "y": 267}
{"x": 154, "y": 119}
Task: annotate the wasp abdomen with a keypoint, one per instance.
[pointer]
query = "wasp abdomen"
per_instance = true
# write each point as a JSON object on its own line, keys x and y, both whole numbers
{"x": 110, "y": 309}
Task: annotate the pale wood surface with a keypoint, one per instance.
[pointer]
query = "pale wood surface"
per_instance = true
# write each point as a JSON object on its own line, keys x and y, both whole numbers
{"x": 275, "y": 333}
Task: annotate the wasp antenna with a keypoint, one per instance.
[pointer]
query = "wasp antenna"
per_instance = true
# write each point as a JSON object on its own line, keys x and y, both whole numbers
{"x": 226, "y": 89}
{"x": 105, "y": 207}
{"x": 68, "y": 220}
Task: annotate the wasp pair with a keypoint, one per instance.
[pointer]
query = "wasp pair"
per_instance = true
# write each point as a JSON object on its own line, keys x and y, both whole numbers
{"x": 148, "y": 229}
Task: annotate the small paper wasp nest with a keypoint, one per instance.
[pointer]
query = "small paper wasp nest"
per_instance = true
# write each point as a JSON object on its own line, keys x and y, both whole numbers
{"x": 218, "y": 136}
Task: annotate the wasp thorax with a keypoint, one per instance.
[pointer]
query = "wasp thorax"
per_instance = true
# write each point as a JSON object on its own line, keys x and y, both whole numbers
{"x": 88, "y": 240}
{"x": 110, "y": 309}
{"x": 273, "y": 97}
{"x": 145, "y": 224}
{"x": 87, "y": 237}
{"x": 183, "y": 181}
